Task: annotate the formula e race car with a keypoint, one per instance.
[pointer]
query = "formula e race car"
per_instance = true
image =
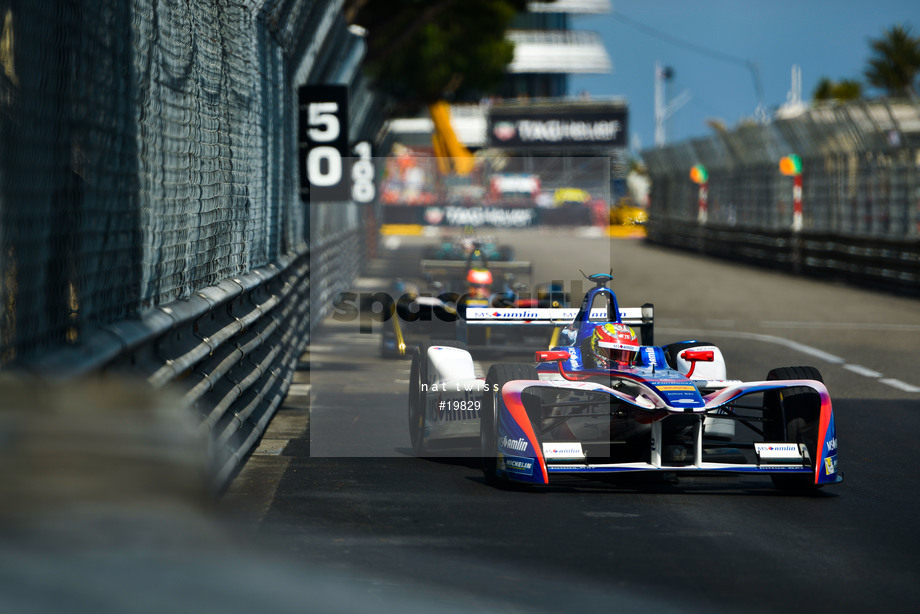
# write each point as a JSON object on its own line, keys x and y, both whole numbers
{"x": 461, "y": 247}
{"x": 601, "y": 402}
{"x": 415, "y": 317}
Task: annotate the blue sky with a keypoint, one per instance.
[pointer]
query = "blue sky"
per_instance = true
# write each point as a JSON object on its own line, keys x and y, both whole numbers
{"x": 824, "y": 37}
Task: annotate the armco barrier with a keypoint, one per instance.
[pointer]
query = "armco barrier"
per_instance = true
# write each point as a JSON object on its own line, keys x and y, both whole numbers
{"x": 230, "y": 350}
{"x": 150, "y": 220}
{"x": 883, "y": 263}
{"x": 854, "y": 202}
{"x": 888, "y": 264}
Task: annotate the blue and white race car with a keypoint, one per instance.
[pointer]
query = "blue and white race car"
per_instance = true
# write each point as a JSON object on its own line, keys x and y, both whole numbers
{"x": 600, "y": 402}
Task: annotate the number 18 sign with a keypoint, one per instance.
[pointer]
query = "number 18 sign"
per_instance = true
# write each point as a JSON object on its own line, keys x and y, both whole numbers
{"x": 323, "y": 143}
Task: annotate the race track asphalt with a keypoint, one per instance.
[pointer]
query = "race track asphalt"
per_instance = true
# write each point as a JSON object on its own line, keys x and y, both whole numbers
{"x": 334, "y": 485}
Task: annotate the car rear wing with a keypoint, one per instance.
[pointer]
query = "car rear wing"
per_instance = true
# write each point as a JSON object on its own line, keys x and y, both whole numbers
{"x": 642, "y": 318}
{"x": 457, "y": 268}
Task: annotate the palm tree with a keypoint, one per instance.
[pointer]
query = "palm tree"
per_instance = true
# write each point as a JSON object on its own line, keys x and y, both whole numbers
{"x": 895, "y": 61}
{"x": 824, "y": 90}
{"x": 840, "y": 91}
{"x": 848, "y": 89}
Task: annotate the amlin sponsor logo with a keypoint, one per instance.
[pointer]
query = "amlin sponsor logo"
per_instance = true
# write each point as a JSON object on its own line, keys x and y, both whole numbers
{"x": 517, "y": 315}
{"x": 514, "y": 444}
{"x": 778, "y": 450}
{"x": 563, "y": 450}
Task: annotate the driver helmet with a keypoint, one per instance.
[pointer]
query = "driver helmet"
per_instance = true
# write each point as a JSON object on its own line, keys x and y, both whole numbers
{"x": 479, "y": 280}
{"x": 613, "y": 343}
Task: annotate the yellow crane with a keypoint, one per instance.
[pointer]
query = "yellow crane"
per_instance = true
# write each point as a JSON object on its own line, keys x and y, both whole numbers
{"x": 452, "y": 155}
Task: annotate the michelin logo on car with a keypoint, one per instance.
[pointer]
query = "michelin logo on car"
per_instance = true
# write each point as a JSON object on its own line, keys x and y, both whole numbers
{"x": 515, "y": 464}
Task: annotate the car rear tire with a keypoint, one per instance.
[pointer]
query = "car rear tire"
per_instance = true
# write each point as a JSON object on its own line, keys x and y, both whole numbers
{"x": 386, "y": 338}
{"x": 792, "y": 415}
{"x": 492, "y": 404}
{"x": 418, "y": 374}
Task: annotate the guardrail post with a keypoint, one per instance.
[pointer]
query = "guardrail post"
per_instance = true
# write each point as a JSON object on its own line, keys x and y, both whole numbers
{"x": 795, "y": 247}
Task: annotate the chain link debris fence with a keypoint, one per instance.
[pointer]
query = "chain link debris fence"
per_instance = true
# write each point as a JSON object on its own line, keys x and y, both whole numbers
{"x": 150, "y": 218}
{"x": 860, "y": 192}
{"x": 149, "y": 151}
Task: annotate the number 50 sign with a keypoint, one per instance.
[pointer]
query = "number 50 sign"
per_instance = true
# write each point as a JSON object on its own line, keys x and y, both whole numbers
{"x": 323, "y": 143}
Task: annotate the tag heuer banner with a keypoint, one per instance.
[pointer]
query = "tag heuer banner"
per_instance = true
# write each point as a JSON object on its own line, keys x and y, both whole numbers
{"x": 567, "y": 126}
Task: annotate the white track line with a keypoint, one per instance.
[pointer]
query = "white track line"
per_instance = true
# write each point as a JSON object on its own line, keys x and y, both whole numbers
{"x": 805, "y": 349}
{"x": 860, "y": 370}
{"x": 843, "y": 326}
{"x": 793, "y": 345}
{"x": 896, "y": 383}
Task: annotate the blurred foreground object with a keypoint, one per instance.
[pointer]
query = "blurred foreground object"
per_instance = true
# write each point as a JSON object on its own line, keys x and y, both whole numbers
{"x": 93, "y": 444}
{"x": 106, "y": 509}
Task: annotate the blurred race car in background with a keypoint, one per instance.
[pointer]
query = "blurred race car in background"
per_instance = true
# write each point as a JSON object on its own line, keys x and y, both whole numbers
{"x": 599, "y": 402}
{"x": 454, "y": 286}
{"x": 626, "y": 213}
{"x": 461, "y": 247}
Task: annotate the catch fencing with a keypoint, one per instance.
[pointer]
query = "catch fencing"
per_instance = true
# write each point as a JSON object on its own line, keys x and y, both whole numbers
{"x": 150, "y": 220}
{"x": 860, "y": 193}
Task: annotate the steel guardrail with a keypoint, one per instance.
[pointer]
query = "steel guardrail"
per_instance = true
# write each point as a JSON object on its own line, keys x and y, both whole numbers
{"x": 229, "y": 350}
{"x": 888, "y": 264}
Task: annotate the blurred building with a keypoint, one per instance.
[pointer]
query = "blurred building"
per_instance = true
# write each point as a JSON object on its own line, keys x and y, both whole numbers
{"x": 546, "y": 52}
{"x": 532, "y": 132}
